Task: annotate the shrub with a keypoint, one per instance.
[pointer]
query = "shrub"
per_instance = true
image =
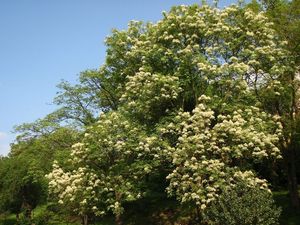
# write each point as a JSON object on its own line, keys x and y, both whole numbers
{"x": 243, "y": 205}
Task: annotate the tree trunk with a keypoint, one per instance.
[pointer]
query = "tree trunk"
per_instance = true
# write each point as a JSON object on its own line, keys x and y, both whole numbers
{"x": 290, "y": 163}
{"x": 118, "y": 219}
{"x": 118, "y": 214}
{"x": 85, "y": 220}
{"x": 289, "y": 156}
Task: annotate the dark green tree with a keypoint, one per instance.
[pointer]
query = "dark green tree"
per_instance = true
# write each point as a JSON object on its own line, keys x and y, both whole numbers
{"x": 285, "y": 16}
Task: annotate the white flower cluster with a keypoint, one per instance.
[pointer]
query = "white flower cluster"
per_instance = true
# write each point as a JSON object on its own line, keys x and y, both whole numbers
{"x": 212, "y": 149}
{"x": 251, "y": 180}
{"x": 78, "y": 152}
{"x": 197, "y": 181}
{"x": 146, "y": 92}
{"x": 78, "y": 188}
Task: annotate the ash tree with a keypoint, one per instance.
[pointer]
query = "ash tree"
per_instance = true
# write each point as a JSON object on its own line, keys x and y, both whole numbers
{"x": 187, "y": 95}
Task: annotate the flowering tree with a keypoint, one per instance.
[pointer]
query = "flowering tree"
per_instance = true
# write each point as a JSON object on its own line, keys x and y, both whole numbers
{"x": 161, "y": 75}
{"x": 196, "y": 50}
{"x": 214, "y": 152}
{"x": 110, "y": 165}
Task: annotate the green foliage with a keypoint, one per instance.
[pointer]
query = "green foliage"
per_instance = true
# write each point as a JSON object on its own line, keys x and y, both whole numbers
{"x": 288, "y": 215}
{"x": 23, "y": 184}
{"x": 101, "y": 181}
{"x": 243, "y": 205}
{"x": 76, "y": 104}
{"x": 22, "y": 187}
{"x": 182, "y": 110}
{"x": 162, "y": 127}
{"x": 285, "y": 16}
{"x": 50, "y": 214}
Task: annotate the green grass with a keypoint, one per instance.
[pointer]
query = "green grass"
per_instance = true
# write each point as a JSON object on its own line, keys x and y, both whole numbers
{"x": 8, "y": 219}
{"x": 39, "y": 213}
{"x": 288, "y": 216}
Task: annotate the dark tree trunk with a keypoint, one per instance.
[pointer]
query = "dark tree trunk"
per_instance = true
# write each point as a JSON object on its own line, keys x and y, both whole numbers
{"x": 198, "y": 215}
{"x": 118, "y": 220}
{"x": 289, "y": 154}
{"x": 290, "y": 164}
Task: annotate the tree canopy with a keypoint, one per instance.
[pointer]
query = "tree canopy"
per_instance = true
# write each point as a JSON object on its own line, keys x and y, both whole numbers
{"x": 188, "y": 90}
{"x": 197, "y": 108}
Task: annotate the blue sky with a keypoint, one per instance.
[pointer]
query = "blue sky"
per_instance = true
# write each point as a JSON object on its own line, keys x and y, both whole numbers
{"x": 45, "y": 41}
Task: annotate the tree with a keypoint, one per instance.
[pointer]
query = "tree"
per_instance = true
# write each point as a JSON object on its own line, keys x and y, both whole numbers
{"x": 285, "y": 17}
{"x": 22, "y": 174}
{"x": 81, "y": 104}
{"x": 76, "y": 104}
{"x": 157, "y": 77}
{"x": 101, "y": 181}
{"x": 22, "y": 185}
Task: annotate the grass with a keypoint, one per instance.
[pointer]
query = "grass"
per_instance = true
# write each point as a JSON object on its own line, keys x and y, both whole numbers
{"x": 39, "y": 213}
{"x": 8, "y": 219}
{"x": 288, "y": 215}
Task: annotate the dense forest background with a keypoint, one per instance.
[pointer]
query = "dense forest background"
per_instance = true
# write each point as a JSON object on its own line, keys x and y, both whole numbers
{"x": 191, "y": 120}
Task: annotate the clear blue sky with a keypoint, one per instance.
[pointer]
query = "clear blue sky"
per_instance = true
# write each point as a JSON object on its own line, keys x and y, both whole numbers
{"x": 44, "y": 41}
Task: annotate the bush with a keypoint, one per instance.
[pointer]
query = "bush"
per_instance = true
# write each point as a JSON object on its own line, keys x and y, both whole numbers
{"x": 243, "y": 205}
{"x": 24, "y": 221}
